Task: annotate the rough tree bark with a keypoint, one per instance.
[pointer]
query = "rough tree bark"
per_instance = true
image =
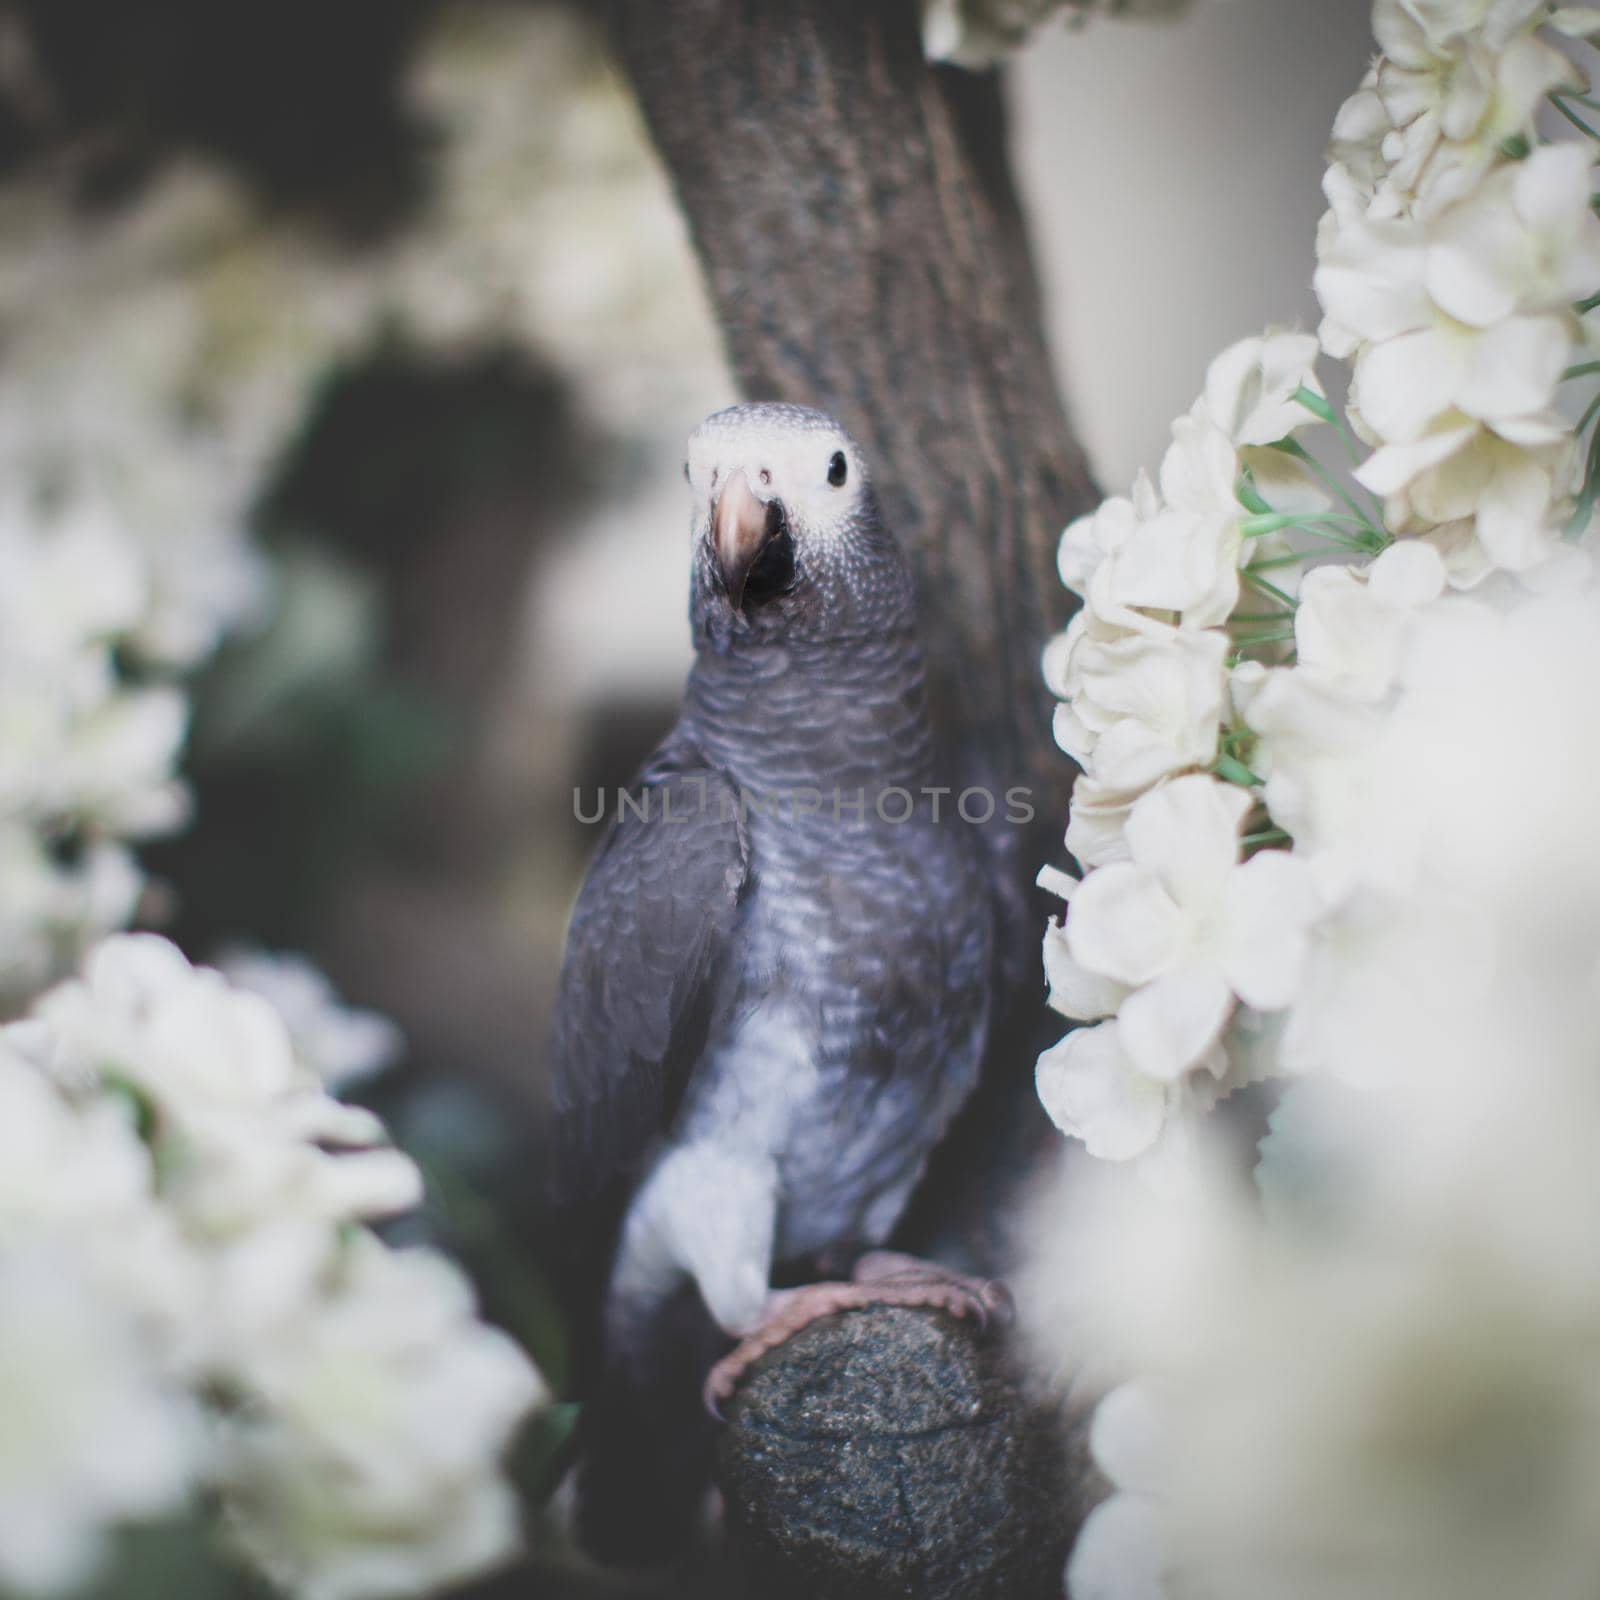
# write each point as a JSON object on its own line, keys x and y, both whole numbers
{"x": 855, "y": 215}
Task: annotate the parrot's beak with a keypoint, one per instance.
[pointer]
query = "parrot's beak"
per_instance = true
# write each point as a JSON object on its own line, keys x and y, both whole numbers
{"x": 741, "y": 526}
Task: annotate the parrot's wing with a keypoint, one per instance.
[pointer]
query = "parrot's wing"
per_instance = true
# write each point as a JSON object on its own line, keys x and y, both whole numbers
{"x": 649, "y": 929}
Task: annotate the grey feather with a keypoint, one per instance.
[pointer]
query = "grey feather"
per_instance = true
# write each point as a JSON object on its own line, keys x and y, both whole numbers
{"x": 650, "y": 925}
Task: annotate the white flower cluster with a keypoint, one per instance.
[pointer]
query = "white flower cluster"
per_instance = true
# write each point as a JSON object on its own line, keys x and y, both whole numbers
{"x": 1453, "y": 265}
{"x": 1335, "y": 823}
{"x": 337, "y": 1045}
{"x": 1227, "y": 686}
{"x": 192, "y": 1299}
{"x": 978, "y": 33}
{"x": 1182, "y": 598}
{"x": 1376, "y": 1375}
{"x": 87, "y": 761}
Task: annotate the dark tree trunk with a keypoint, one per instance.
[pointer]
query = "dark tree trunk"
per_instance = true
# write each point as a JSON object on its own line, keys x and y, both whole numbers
{"x": 860, "y": 234}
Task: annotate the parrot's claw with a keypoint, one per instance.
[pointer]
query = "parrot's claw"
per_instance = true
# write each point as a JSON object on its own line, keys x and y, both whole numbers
{"x": 882, "y": 1278}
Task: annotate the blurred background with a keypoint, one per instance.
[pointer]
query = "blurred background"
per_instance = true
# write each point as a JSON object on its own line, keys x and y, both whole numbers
{"x": 379, "y": 322}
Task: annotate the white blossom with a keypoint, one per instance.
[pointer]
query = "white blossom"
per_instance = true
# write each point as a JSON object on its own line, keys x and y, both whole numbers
{"x": 50, "y": 904}
{"x": 249, "y": 1134}
{"x": 1350, "y": 626}
{"x": 1089, "y": 540}
{"x": 1429, "y": 945}
{"x": 1185, "y": 559}
{"x": 978, "y": 33}
{"x": 1187, "y": 927}
{"x": 369, "y": 1468}
{"x": 1138, "y": 707}
{"x": 337, "y": 1044}
{"x": 1120, "y": 1552}
{"x": 1094, "y": 1091}
{"x": 1251, "y": 387}
{"x": 1167, "y": 940}
{"x": 1411, "y": 32}
{"x": 1429, "y": 121}
{"x": 1096, "y": 823}
{"x": 93, "y": 1430}
{"x": 1526, "y": 240}
{"x": 190, "y": 1301}
{"x": 96, "y": 1425}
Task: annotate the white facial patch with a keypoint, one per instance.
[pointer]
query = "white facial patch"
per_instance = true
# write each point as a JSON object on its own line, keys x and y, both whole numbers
{"x": 785, "y": 452}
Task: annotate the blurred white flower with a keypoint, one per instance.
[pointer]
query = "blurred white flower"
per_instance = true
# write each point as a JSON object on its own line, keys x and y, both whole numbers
{"x": 73, "y": 581}
{"x": 248, "y": 1135}
{"x": 74, "y": 747}
{"x": 1314, "y": 746}
{"x": 337, "y": 1044}
{"x": 1407, "y": 27}
{"x": 50, "y": 905}
{"x": 1431, "y": 1184}
{"x": 93, "y": 1429}
{"x": 978, "y": 33}
{"x": 366, "y": 1461}
{"x": 1120, "y": 1552}
{"x": 188, "y": 1299}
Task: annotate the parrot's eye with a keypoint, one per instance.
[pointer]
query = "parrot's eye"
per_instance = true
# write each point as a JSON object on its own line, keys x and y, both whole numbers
{"x": 838, "y": 469}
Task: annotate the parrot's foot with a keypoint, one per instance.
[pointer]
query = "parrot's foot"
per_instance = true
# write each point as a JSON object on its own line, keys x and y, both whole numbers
{"x": 882, "y": 1278}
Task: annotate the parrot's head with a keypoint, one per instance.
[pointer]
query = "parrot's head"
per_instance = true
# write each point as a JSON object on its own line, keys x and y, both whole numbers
{"x": 789, "y": 541}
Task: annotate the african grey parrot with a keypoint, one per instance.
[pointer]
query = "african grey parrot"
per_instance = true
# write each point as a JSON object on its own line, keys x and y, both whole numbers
{"x": 777, "y": 975}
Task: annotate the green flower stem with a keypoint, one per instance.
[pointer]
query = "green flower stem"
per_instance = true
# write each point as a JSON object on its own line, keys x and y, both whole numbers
{"x": 1265, "y": 836}
{"x": 1591, "y": 491}
{"x": 1316, "y": 404}
{"x": 1573, "y": 117}
{"x": 1275, "y": 521}
{"x": 1249, "y": 499}
{"x": 1267, "y": 522}
{"x": 1294, "y": 559}
{"x": 1232, "y": 771}
{"x": 1361, "y": 545}
{"x": 1292, "y": 447}
{"x": 1588, "y": 415}
{"x": 1582, "y": 370}
{"x": 1320, "y": 407}
{"x": 1261, "y": 586}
